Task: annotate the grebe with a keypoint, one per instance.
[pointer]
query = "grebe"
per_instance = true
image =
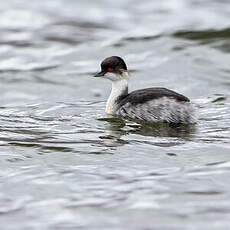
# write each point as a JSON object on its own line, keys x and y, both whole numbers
{"x": 151, "y": 104}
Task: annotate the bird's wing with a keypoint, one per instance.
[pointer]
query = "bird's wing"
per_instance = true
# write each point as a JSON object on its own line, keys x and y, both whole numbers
{"x": 141, "y": 104}
{"x": 144, "y": 95}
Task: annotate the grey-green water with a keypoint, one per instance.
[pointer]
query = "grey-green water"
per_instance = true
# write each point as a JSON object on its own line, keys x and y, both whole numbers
{"x": 64, "y": 163}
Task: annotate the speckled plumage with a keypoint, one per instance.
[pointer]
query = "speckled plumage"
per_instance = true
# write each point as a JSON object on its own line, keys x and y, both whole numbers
{"x": 156, "y": 105}
{"x": 162, "y": 109}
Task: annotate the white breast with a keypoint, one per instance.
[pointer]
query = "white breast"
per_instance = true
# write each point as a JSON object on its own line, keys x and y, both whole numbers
{"x": 118, "y": 87}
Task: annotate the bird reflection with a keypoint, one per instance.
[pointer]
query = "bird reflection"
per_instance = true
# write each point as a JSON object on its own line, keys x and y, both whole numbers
{"x": 166, "y": 134}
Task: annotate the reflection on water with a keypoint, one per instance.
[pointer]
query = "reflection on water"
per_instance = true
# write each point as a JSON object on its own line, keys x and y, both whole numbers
{"x": 64, "y": 163}
{"x": 118, "y": 127}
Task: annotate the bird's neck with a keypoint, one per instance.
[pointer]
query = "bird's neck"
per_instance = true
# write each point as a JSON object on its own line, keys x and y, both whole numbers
{"x": 119, "y": 90}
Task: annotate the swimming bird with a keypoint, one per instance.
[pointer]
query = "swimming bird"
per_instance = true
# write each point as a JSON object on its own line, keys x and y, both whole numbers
{"x": 150, "y": 104}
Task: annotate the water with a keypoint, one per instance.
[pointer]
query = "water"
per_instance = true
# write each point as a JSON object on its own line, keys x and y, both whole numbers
{"x": 64, "y": 163}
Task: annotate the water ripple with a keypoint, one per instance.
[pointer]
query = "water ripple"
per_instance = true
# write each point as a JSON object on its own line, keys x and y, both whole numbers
{"x": 67, "y": 165}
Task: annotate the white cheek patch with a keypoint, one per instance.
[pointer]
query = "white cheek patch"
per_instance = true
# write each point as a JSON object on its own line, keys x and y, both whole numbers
{"x": 112, "y": 76}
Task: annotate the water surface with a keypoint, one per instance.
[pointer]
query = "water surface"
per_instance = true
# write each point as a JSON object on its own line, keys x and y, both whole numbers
{"x": 64, "y": 163}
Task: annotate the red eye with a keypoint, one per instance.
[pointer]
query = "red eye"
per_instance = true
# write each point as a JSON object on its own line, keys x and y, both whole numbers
{"x": 109, "y": 69}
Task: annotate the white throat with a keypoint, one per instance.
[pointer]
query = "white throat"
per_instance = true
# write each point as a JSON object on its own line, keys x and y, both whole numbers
{"x": 119, "y": 88}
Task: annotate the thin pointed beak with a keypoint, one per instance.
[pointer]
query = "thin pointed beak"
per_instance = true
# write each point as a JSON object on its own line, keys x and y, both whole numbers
{"x": 100, "y": 74}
